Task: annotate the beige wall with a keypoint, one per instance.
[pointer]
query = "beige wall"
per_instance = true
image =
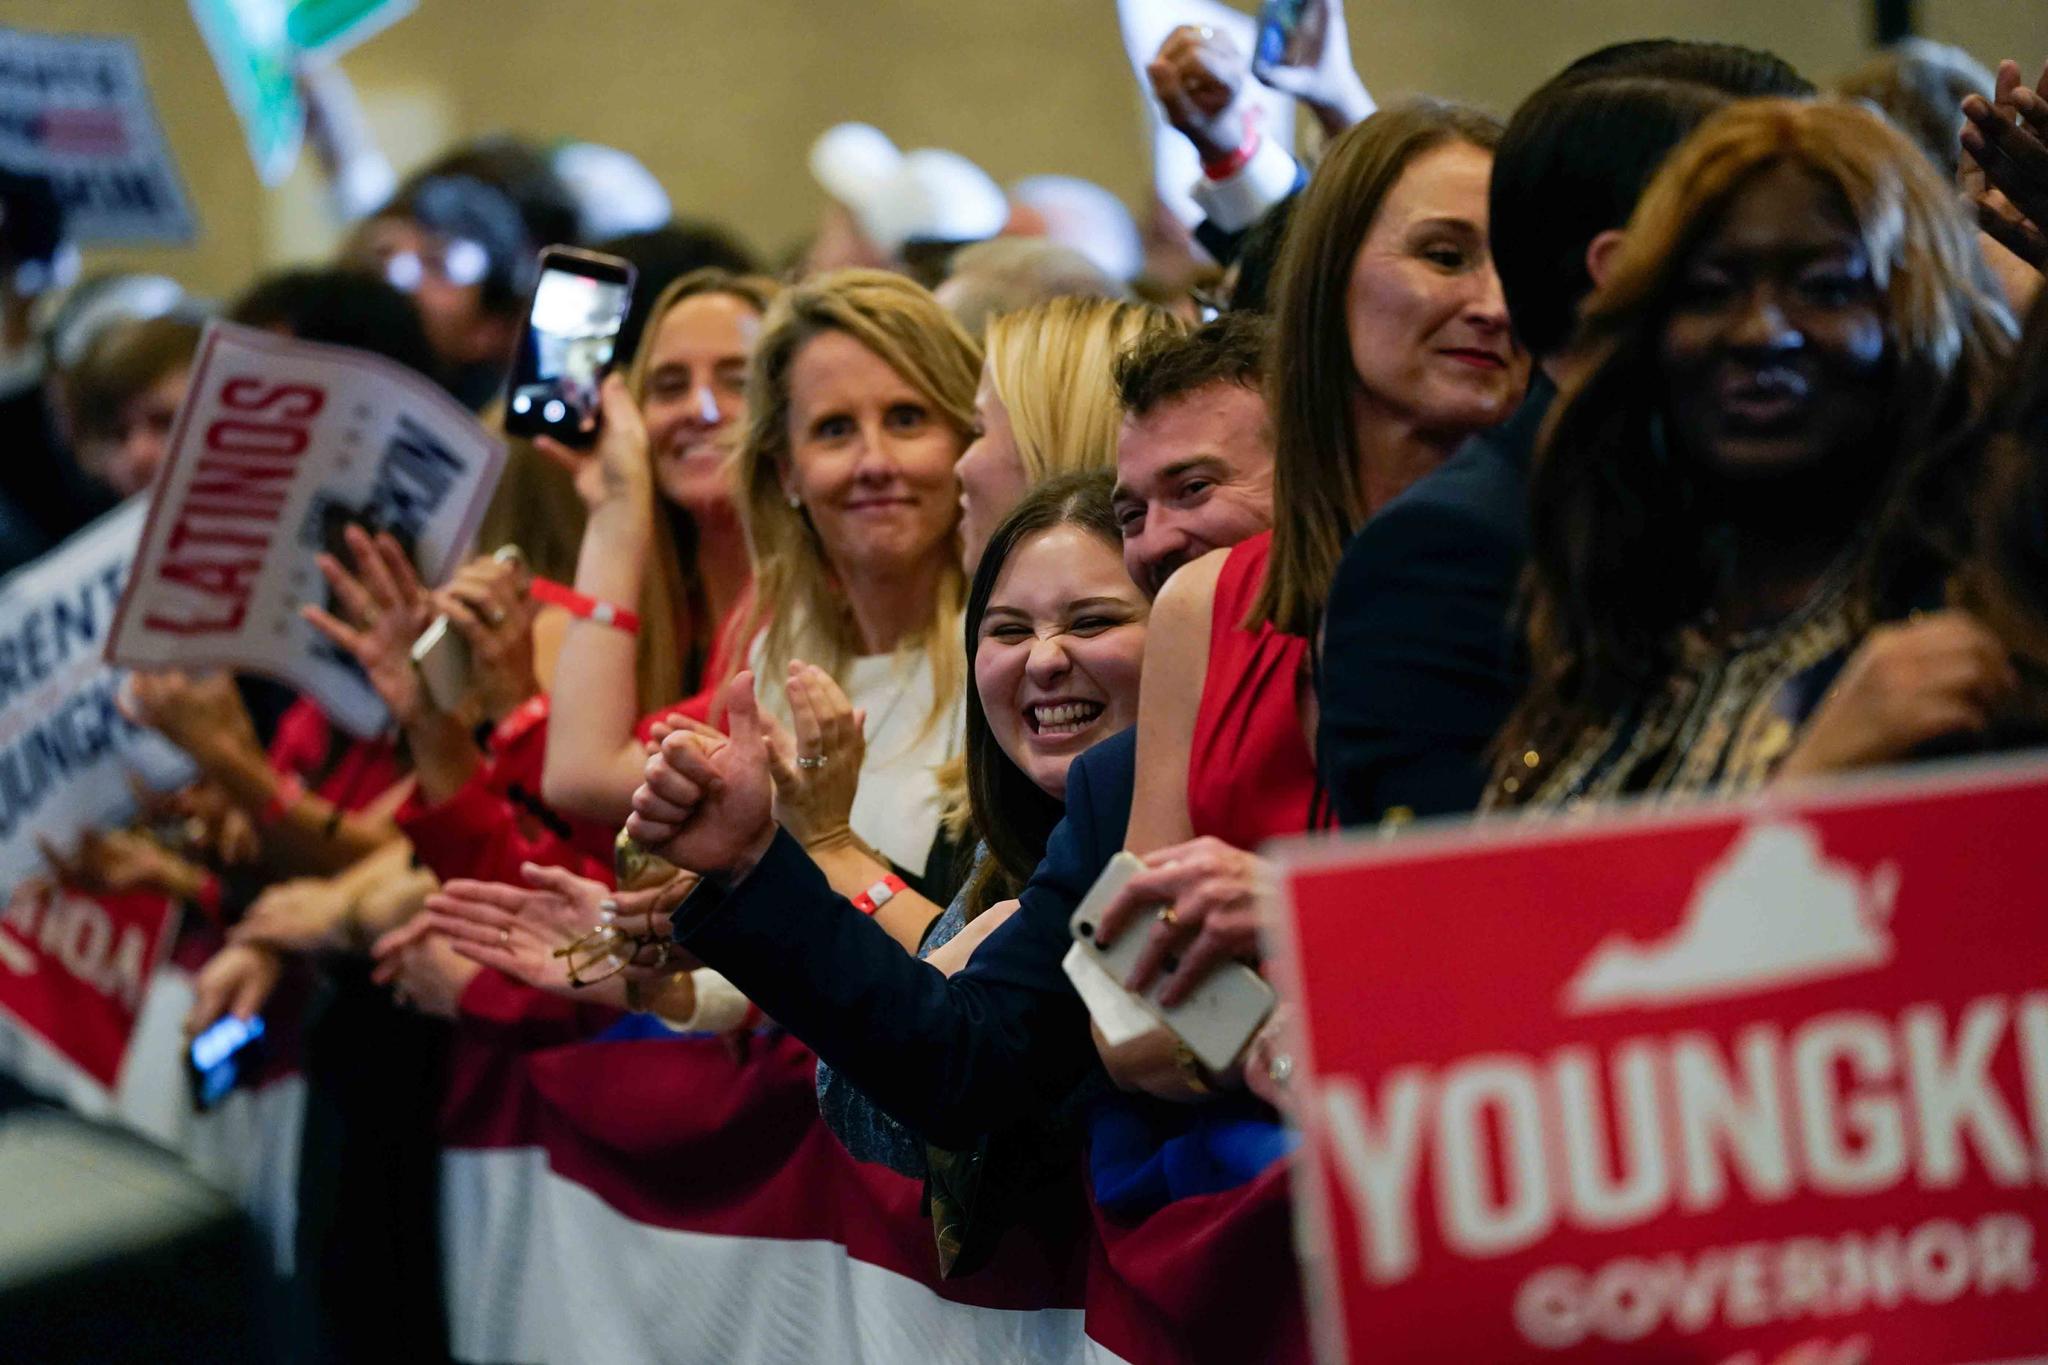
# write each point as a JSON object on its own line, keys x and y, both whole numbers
{"x": 722, "y": 99}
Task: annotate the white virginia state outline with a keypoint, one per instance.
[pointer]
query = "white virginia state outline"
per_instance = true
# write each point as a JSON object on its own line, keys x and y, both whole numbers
{"x": 1773, "y": 912}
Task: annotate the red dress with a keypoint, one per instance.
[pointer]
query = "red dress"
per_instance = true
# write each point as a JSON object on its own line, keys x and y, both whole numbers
{"x": 1251, "y": 776}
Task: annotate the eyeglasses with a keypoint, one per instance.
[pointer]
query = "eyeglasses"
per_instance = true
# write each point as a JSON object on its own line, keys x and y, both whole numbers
{"x": 459, "y": 262}
{"x": 604, "y": 952}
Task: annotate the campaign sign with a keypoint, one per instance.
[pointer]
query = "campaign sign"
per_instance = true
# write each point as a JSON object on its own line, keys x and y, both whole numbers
{"x": 66, "y": 752}
{"x": 280, "y": 444}
{"x": 1737, "y": 1084}
{"x": 75, "y": 110}
{"x": 73, "y": 969}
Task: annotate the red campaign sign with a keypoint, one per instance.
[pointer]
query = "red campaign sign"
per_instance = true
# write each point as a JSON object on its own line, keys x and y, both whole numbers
{"x": 1736, "y": 1085}
{"x": 73, "y": 968}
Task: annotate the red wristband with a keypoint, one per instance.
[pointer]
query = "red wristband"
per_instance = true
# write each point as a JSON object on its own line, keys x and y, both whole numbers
{"x": 584, "y": 607}
{"x": 880, "y": 894}
{"x": 1239, "y": 159}
{"x": 286, "y": 795}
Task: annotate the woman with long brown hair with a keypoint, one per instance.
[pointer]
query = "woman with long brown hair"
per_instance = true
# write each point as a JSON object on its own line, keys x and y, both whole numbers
{"x": 1764, "y": 453}
{"x": 1390, "y": 346}
{"x": 663, "y": 536}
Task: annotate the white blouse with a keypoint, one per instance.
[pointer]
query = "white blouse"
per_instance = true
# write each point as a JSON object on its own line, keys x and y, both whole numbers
{"x": 897, "y": 806}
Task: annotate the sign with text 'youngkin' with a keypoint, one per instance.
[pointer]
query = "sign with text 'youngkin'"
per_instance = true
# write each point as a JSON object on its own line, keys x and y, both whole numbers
{"x": 1736, "y": 1084}
{"x": 279, "y": 445}
{"x": 66, "y": 752}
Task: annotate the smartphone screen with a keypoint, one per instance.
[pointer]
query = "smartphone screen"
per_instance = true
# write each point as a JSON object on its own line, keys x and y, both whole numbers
{"x": 1290, "y": 33}
{"x": 221, "y": 1057}
{"x": 578, "y": 306}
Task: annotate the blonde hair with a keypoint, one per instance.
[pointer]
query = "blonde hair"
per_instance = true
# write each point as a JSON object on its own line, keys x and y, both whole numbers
{"x": 676, "y": 641}
{"x": 1053, "y": 366}
{"x": 799, "y": 609}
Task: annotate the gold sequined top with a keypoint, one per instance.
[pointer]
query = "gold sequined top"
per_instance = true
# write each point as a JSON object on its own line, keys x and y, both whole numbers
{"x": 1721, "y": 723}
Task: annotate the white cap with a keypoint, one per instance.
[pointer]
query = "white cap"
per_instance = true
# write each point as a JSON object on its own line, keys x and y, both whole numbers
{"x": 926, "y": 195}
{"x": 1081, "y": 214}
{"x": 614, "y": 193}
{"x": 850, "y": 158}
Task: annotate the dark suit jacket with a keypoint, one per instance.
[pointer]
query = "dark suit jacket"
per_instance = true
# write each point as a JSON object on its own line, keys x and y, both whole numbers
{"x": 1420, "y": 663}
{"x": 1004, "y": 1040}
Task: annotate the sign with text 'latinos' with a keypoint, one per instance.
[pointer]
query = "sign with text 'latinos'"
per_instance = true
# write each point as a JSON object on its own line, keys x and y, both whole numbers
{"x": 1751, "y": 1084}
{"x": 279, "y": 445}
{"x": 75, "y": 110}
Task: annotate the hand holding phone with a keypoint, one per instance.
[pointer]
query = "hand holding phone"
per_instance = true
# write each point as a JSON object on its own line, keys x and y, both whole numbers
{"x": 579, "y": 303}
{"x": 222, "y": 1057}
{"x": 1217, "y": 1018}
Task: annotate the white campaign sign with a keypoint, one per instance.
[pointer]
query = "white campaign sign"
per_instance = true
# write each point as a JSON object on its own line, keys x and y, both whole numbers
{"x": 75, "y": 109}
{"x": 65, "y": 751}
{"x": 279, "y": 445}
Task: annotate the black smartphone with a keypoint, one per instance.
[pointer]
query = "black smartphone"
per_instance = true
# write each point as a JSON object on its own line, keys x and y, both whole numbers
{"x": 223, "y": 1057}
{"x": 578, "y": 305}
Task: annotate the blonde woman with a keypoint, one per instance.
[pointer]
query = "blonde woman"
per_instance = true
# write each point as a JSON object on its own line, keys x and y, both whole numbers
{"x": 664, "y": 536}
{"x": 859, "y": 405}
{"x": 1047, "y": 404}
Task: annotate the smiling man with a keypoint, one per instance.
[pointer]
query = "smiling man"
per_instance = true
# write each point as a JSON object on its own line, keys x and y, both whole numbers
{"x": 1194, "y": 462}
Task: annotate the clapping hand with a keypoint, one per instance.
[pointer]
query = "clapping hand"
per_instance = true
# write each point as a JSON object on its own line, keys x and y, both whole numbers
{"x": 817, "y": 768}
{"x": 524, "y": 932}
{"x": 488, "y": 605}
{"x": 384, "y": 608}
{"x": 2005, "y": 163}
{"x": 705, "y": 802}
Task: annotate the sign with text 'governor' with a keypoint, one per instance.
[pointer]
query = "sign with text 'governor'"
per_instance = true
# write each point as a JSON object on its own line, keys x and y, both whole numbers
{"x": 1736, "y": 1085}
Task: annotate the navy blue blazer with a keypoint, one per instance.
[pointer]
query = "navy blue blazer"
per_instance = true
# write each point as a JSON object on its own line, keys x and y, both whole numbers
{"x": 950, "y": 1058}
{"x": 1420, "y": 662}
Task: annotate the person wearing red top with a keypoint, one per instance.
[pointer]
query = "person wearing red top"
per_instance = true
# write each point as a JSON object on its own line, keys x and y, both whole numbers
{"x": 1390, "y": 346}
{"x": 1248, "y": 734}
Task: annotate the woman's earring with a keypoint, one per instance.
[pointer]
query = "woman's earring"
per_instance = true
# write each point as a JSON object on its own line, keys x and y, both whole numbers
{"x": 794, "y": 500}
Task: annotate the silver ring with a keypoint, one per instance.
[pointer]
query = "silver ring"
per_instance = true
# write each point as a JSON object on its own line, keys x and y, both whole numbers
{"x": 810, "y": 761}
{"x": 495, "y": 615}
{"x": 505, "y": 936}
{"x": 1208, "y": 34}
{"x": 1280, "y": 1068}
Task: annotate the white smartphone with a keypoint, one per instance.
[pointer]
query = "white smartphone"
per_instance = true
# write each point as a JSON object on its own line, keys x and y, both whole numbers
{"x": 1218, "y": 1018}
{"x": 441, "y": 657}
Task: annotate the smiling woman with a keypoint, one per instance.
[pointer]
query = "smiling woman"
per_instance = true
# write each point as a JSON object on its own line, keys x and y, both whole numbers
{"x": 859, "y": 403}
{"x": 1768, "y": 446}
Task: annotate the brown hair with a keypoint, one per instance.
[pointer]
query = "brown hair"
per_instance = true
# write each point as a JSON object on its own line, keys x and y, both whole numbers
{"x": 677, "y": 635}
{"x": 1170, "y": 362}
{"x": 123, "y": 362}
{"x": 1318, "y": 498}
{"x": 1615, "y": 517}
